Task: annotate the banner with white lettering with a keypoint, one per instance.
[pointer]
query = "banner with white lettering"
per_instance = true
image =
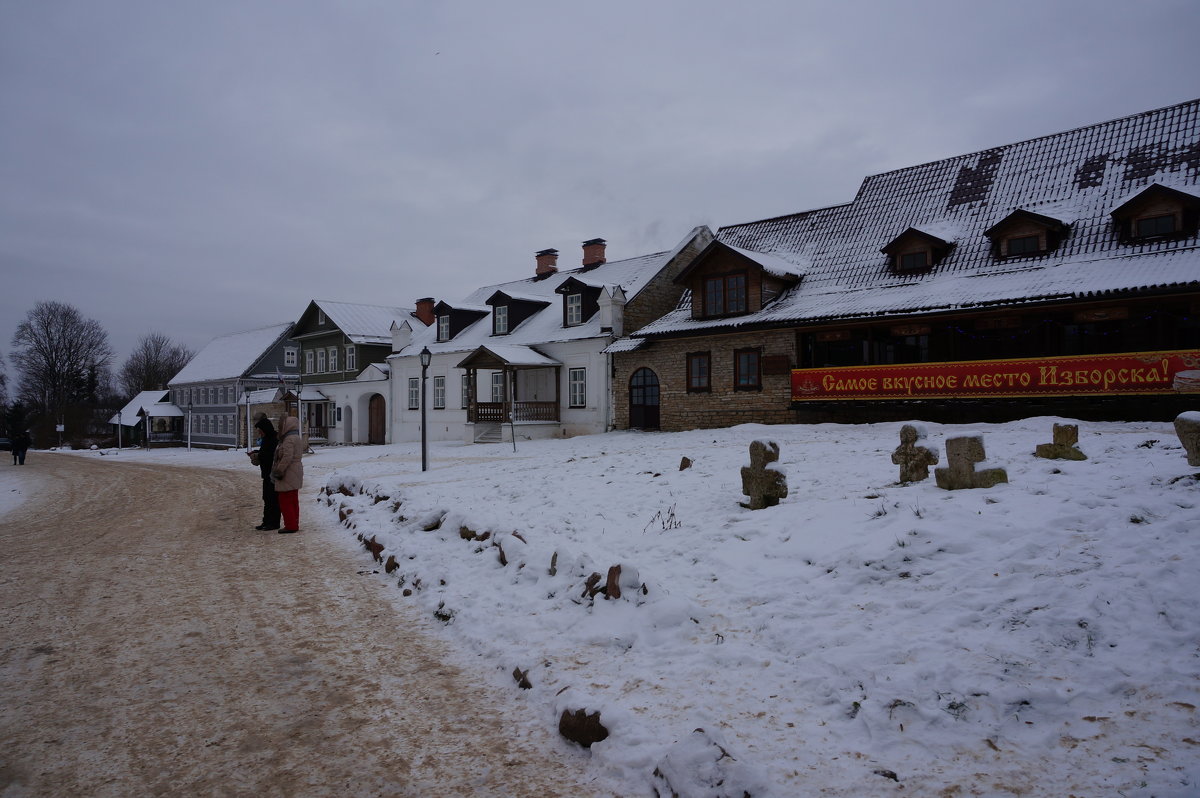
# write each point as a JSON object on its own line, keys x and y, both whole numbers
{"x": 1083, "y": 375}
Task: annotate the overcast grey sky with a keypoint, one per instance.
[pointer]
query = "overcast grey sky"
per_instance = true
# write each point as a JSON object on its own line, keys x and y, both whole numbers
{"x": 200, "y": 168}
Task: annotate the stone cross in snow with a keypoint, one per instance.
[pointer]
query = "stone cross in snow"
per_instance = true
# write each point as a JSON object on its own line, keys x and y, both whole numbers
{"x": 914, "y": 460}
{"x": 962, "y": 453}
{"x": 1063, "y": 448}
{"x": 764, "y": 482}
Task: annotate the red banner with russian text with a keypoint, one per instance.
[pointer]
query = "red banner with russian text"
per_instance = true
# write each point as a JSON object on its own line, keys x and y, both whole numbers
{"x": 1083, "y": 375}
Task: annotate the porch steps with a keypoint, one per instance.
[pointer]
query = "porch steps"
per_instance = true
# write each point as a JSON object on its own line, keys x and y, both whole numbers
{"x": 488, "y": 433}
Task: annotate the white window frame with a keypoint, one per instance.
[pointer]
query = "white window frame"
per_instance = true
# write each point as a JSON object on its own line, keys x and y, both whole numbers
{"x": 466, "y": 391}
{"x": 308, "y": 361}
{"x": 443, "y": 327}
{"x": 351, "y": 358}
{"x": 333, "y": 358}
{"x": 289, "y": 357}
{"x": 577, "y": 387}
{"x": 439, "y": 393}
{"x": 500, "y": 320}
{"x": 498, "y": 386}
{"x": 574, "y": 309}
{"x": 414, "y": 393}
{"x": 320, "y": 361}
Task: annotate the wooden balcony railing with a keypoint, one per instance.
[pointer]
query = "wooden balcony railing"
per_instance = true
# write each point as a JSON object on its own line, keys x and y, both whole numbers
{"x": 497, "y": 412}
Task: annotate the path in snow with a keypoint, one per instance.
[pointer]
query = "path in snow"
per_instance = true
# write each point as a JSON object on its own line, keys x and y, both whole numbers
{"x": 154, "y": 644}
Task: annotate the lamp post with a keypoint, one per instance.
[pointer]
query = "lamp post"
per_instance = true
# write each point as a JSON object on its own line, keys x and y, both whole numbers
{"x": 247, "y": 418}
{"x": 118, "y": 429}
{"x": 300, "y": 405}
{"x": 189, "y": 421}
{"x": 426, "y": 357}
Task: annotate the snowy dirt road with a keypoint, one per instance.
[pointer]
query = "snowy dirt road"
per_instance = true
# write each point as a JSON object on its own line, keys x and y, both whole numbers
{"x": 152, "y": 643}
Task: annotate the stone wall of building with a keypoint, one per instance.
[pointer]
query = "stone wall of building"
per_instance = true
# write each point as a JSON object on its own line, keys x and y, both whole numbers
{"x": 721, "y": 406}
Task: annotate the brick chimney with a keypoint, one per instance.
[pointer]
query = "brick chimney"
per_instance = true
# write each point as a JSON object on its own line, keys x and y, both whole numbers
{"x": 547, "y": 262}
{"x": 593, "y": 252}
{"x": 425, "y": 311}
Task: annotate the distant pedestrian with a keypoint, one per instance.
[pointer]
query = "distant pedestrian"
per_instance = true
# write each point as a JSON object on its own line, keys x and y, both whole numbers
{"x": 264, "y": 457}
{"x": 288, "y": 473}
{"x": 20, "y": 445}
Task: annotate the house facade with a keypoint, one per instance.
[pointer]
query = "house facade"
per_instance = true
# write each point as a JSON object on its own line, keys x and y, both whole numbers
{"x": 523, "y": 358}
{"x": 343, "y": 350}
{"x": 1054, "y": 276}
{"x": 209, "y": 391}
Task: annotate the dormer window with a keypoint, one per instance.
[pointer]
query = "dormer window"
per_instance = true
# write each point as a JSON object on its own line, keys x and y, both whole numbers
{"x": 443, "y": 327}
{"x": 725, "y": 294}
{"x": 320, "y": 318}
{"x": 1022, "y": 245}
{"x": 574, "y": 309}
{"x": 500, "y": 320}
{"x": 916, "y": 251}
{"x": 1155, "y": 226}
{"x": 1024, "y": 234}
{"x": 1156, "y": 213}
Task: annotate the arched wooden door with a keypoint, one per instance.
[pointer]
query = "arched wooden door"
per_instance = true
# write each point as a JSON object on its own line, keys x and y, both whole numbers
{"x": 643, "y": 400}
{"x": 377, "y": 420}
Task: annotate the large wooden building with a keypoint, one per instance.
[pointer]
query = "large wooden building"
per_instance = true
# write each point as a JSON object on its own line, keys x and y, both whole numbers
{"x": 1058, "y": 276}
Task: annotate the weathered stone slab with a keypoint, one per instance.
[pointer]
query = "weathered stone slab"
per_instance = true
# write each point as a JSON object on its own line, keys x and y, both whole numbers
{"x": 914, "y": 460}
{"x": 1187, "y": 427}
{"x": 962, "y": 454}
{"x": 764, "y": 482}
{"x": 1064, "y": 447}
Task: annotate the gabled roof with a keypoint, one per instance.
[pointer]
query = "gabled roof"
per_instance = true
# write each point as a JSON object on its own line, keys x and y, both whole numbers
{"x": 1189, "y": 195}
{"x": 496, "y": 355}
{"x": 1081, "y": 173}
{"x": 153, "y": 403}
{"x": 363, "y": 324}
{"x": 231, "y": 356}
{"x": 620, "y": 278}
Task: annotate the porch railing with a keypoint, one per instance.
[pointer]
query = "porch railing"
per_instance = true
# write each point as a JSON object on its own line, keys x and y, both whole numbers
{"x": 497, "y": 412}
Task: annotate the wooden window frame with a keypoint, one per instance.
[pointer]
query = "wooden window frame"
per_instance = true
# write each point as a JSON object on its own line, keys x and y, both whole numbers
{"x": 414, "y": 393}
{"x": 574, "y": 309}
{"x": 581, "y": 400}
{"x": 738, "y": 280}
{"x": 351, "y": 358}
{"x": 439, "y": 393}
{"x": 693, "y": 377}
{"x": 500, "y": 320}
{"x": 443, "y": 327}
{"x": 739, "y": 376}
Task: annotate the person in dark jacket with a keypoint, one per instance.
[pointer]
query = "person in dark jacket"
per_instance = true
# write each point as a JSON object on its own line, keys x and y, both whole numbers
{"x": 20, "y": 445}
{"x": 266, "y": 456}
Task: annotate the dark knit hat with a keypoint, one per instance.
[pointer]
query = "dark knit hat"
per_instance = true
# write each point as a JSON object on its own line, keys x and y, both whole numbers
{"x": 265, "y": 425}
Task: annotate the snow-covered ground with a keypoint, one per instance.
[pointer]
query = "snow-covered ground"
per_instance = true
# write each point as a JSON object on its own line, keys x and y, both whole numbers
{"x": 1040, "y": 637}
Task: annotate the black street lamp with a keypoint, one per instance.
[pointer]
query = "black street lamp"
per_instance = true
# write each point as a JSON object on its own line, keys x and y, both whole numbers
{"x": 426, "y": 357}
{"x": 189, "y": 419}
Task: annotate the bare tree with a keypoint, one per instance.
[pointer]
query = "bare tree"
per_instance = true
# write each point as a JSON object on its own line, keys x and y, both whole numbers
{"x": 154, "y": 361}
{"x": 62, "y": 359}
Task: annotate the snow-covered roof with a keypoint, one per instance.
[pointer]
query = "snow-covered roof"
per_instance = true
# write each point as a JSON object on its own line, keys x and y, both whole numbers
{"x": 545, "y": 325}
{"x": 374, "y": 372}
{"x": 518, "y": 355}
{"x": 153, "y": 403}
{"x": 231, "y": 356}
{"x": 363, "y": 324}
{"x": 1077, "y": 176}
{"x": 263, "y": 396}
{"x": 145, "y": 399}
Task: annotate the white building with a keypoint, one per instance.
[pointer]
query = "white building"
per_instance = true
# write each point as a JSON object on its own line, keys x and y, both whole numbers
{"x": 523, "y": 358}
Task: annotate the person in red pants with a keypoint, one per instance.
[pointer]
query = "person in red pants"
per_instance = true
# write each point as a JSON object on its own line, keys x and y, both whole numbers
{"x": 288, "y": 473}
